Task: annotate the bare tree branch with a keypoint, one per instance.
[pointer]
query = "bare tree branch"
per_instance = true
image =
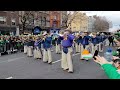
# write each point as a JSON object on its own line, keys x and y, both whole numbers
{"x": 26, "y": 19}
{"x": 101, "y": 24}
{"x": 68, "y": 19}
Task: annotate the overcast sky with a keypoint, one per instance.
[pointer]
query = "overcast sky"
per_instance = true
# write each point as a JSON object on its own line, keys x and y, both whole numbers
{"x": 113, "y": 16}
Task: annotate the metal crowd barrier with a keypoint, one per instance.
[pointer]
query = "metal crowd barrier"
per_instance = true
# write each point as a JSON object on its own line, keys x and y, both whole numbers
{"x": 11, "y": 48}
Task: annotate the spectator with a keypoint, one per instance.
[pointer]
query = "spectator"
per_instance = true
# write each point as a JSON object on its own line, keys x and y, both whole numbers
{"x": 110, "y": 70}
{"x": 111, "y": 39}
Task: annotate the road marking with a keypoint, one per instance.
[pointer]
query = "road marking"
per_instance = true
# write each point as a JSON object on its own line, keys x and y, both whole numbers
{"x": 60, "y": 59}
{"x": 9, "y": 78}
{"x": 10, "y": 60}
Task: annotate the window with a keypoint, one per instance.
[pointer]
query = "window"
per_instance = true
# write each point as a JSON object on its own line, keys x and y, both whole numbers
{"x": 48, "y": 18}
{"x": 55, "y": 17}
{"x": 45, "y": 21}
{"x": 13, "y": 22}
{"x": 2, "y": 20}
{"x": 41, "y": 20}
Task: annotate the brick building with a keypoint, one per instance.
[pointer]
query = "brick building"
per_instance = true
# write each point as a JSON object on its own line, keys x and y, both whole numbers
{"x": 55, "y": 20}
{"x": 46, "y": 20}
{"x": 63, "y": 20}
{"x": 9, "y": 21}
{"x": 39, "y": 18}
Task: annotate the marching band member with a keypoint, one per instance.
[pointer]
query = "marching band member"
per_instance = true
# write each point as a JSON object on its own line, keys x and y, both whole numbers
{"x": 47, "y": 41}
{"x": 95, "y": 42}
{"x": 67, "y": 41}
{"x": 84, "y": 43}
{"x": 101, "y": 43}
{"x": 25, "y": 45}
{"x": 30, "y": 47}
{"x": 37, "y": 48}
{"x": 78, "y": 43}
{"x": 58, "y": 45}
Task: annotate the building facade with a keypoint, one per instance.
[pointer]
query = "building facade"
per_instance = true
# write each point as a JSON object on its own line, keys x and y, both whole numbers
{"x": 79, "y": 22}
{"x": 9, "y": 21}
{"x": 64, "y": 17}
{"x": 91, "y": 21}
{"x": 55, "y": 21}
{"x": 38, "y": 18}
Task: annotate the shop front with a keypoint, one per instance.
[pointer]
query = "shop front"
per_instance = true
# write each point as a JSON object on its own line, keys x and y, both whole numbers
{"x": 8, "y": 31}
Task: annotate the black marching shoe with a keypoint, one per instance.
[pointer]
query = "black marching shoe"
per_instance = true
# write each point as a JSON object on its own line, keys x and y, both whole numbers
{"x": 66, "y": 69}
{"x": 50, "y": 63}
{"x": 46, "y": 62}
{"x": 70, "y": 71}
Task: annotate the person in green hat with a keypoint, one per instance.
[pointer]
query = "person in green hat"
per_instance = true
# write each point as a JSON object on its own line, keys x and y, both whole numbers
{"x": 110, "y": 70}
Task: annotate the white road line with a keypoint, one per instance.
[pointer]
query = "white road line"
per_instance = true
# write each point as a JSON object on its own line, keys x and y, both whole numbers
{"x": 10, "y": 60}
{"x": 56, "y": 61}
{"x": 14, "y": 59}
{"x": 60, "y": 59}
{"x": 9, "y": 78}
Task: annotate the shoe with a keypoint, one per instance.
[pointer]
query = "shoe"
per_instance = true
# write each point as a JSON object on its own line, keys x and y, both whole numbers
{"x": 50, "y": 63}
{"x": 65, "y": 69}
{"x": 45, "y": 61}
{"x": 70, "y": 71}
{"x": 82, "y": 59}
{"x": 87, "y": 60}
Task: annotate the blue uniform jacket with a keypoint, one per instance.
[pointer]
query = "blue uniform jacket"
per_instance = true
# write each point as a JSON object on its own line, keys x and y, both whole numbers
{"x": 47, "y": 43}
{"x": 79, "y": 40}
{"x": 38, "y": 44}
{"x": 69, "y": 41}
{"x": 100, "y": 39}
{"x": 95, "y": 40}
{"x": 59, "y": 40}
{"x": 85, "y": 40}
{"x": 30, "y": 43}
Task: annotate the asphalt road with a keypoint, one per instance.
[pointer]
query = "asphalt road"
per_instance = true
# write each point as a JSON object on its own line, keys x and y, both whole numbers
{"x": 19, "y": 66}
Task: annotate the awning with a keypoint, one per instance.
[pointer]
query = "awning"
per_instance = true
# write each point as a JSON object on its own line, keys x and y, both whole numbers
{"x": 7, "y": 28}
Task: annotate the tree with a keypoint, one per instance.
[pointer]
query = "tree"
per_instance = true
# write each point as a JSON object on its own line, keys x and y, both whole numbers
{"x": 101, "y": 24}
{"x": 26, "y": 19}
{"x": 68, "y": 19}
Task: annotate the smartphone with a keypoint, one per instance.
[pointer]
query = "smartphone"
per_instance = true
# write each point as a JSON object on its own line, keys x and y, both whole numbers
{"x": 95, "y": 54}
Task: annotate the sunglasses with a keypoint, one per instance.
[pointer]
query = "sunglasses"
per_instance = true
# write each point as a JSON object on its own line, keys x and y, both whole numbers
{"x": 116, "y": 60}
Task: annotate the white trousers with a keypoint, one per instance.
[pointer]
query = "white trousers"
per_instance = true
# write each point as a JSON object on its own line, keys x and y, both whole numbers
{"x": 77, "y": 47}
{"x": 101, "y": 47}
{"x": 94, "y": 48}
{"x": 66, "y": 61}
{"x": 58, "y": 48}
{"x": 25, "y": 49}
{"x": 30, "y": 51}
{"x": 106, "y": 42}
{"x": 37, "y": 53}
{"x": 47, "y": 55}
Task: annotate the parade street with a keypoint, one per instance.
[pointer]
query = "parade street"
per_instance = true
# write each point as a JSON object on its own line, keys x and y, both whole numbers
{"x": 19, "y": 66}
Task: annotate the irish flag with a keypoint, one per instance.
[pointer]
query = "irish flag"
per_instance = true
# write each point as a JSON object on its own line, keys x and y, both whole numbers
{"x": 86, "y": 55}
